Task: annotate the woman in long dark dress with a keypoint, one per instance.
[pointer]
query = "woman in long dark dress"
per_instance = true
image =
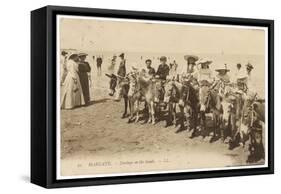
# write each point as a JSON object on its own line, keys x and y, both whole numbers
{"x": 84, "y": 69}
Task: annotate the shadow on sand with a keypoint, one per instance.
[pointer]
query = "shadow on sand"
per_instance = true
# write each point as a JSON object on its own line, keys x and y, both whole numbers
{"x": 98, "y": 101}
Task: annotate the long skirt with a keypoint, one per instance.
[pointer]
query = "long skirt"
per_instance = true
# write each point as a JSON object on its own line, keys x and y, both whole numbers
{"x": 84, "y": 80}
{"x": 71, "y": 93}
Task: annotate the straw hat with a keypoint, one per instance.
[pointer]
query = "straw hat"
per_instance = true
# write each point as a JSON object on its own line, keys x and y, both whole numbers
{"x": 204, "y": 61}
{"x": 222, "y": 69}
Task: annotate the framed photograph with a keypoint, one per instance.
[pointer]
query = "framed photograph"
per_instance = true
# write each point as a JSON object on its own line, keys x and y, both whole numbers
{"x": 126, "y": 96}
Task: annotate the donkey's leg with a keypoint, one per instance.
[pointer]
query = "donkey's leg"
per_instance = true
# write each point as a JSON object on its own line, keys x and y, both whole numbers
{"x": 131, "y": 108}
{"x": 194, "y": 117}
{"x": 126, "y": 107}
{"x": 169, "y": 118}
{"x": 188, "y": 116}
{"x": 152, "y": 112}
{"x": 203, "y": 124}
{"x": 215, "y": 123}
{"x": 174, "y": 114}
{"x": 137, "y": 111}
{"x": 182, "y": 117}
{"x": 149, "y": 113}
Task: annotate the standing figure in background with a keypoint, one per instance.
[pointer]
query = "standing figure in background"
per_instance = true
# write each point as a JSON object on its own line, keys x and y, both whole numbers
{"x": 121, "y": 73}
{"x": 71, "y": 93}
{"x": 173, "y": 70}
{"x": 237, "y": 73}
{"x": 63, "y": 71}
{"x": 250, "y": 84}
{"x": 91, "y": 74}
{"x": 122, "y": 67}
{"x": 111, "y": 68}
{"x": 99, "y": 62}
{"x": 84, "y": 69}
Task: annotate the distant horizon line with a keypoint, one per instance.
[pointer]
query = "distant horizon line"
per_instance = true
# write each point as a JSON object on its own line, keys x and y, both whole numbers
{"x": 184, "y": 53}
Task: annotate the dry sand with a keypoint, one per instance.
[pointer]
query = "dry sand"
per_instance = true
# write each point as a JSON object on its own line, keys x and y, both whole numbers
{"x": 95, "y": 140}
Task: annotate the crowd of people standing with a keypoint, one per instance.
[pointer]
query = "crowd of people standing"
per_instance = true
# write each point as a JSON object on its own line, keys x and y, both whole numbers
{"x": 76, "y": 79}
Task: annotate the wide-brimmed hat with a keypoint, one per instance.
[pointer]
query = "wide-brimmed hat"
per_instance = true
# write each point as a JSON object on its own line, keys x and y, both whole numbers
{"x": 222, "y": 69}
{"x": 242, "y": 77}
{"x": 73, "y": 55}
{"x": 205, "y": 61}
{"x": 194, "y": 57}
{"x": 82, "y": 54}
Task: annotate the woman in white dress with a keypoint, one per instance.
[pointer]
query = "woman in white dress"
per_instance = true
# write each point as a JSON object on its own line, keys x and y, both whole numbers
{"x": 71, "y": 92}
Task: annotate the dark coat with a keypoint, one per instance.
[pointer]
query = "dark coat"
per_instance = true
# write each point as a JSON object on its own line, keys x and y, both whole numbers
{"x": 151, "y": 71}
{"x": 99, "y": 62}
{"x": 84, "y": 68}
{"x": 122, "y": 68}
{"x": 163, "y": 71}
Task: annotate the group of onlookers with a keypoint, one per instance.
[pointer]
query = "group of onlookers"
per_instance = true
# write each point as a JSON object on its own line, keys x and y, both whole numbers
{"x": 74, "y": 77}
{"x": 74, "y": 80}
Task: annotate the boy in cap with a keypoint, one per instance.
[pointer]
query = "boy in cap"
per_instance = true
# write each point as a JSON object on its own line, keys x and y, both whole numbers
{"x": 163, "y": 68}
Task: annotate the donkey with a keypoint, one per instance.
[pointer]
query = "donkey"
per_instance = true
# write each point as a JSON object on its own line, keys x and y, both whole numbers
{"x": 210, "y": 102}
{"x": 150, "y": 91}
{"x": 189, "y": 105}
{"x": 123, "y": 84}
{"x": 172, "y": 97}
{"x": 250, "y": 125}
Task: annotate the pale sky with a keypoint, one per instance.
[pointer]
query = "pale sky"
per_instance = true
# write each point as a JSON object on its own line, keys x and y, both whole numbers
{"x": 103, "y": 35}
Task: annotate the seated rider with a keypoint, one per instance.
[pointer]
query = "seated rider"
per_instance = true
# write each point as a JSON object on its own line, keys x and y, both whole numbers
{"x": 162, "y": 73}
{"x": 205, "y": 79}
{"x": 222, "y": 79}
{"x": 163, "y": 69}
{"x": 150, "y": 71}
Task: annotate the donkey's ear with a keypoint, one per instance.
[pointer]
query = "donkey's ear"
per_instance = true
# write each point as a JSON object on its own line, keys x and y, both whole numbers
{"x": 110, "y": 76}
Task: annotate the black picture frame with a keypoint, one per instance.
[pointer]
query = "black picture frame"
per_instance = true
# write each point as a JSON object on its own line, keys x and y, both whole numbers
{"x": 43, "y": 95}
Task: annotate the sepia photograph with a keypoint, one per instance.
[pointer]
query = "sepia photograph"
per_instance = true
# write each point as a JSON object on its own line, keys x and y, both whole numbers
{"x": 146, "y": 97}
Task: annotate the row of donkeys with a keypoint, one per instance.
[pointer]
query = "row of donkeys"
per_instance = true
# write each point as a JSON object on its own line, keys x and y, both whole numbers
{"x": 236, "y": 118}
